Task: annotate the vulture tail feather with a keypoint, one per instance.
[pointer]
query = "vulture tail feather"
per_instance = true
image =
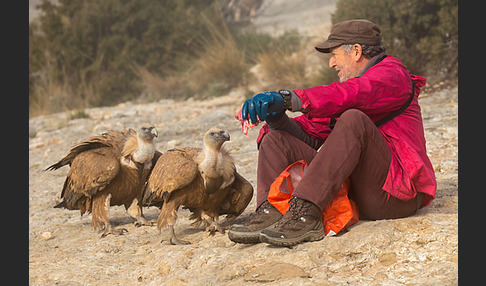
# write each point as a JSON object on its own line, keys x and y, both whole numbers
{"x": 57, "y": 165}
{"x": 61, "y": 205}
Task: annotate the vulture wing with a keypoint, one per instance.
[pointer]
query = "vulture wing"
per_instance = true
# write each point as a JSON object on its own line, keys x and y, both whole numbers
{"x": 91, "y": 171}
{"x": 190, "y": 153}
{"x": 239, "y": 196}
{"x": 174, "y": 170}
{"x": 111, "y": 139}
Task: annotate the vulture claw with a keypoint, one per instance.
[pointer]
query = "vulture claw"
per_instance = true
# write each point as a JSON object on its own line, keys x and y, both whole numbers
{"x": 212, "y": 229}
{"x": 143, "y": 222}
{"x": 120, "y": 231}
{"x": 175, "y": 241}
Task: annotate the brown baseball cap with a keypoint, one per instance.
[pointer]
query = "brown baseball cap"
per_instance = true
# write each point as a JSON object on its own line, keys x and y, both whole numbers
{"x": 358, "y": 31}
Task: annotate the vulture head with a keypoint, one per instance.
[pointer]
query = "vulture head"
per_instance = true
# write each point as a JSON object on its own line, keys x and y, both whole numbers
{"x": 147, "y": 132}
{"x": 142, "y": 148}
{"x": 214, "y": 138}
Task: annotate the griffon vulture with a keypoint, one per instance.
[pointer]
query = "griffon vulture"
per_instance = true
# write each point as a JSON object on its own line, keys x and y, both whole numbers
{"x": 106, "y": 170}
{"x": 203, "y": 180}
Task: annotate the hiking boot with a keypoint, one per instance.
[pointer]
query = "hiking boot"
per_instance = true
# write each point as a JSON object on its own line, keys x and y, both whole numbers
{"x": 302, "y": 222}
{"x": 266, "y": 215}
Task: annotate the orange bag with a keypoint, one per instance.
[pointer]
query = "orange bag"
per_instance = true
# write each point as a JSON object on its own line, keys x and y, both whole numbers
{"x": 338, "y": 215}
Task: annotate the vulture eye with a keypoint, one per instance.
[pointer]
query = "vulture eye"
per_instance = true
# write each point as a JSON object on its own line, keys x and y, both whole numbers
{"x": 221, "y": 132}
{"x": 212, "y": 133}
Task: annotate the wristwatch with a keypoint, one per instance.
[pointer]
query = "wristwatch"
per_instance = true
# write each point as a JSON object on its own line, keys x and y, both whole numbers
{"x": 287, "y": 97}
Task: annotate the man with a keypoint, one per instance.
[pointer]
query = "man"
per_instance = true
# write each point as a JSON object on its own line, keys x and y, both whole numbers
{"x": 337, "y": 135}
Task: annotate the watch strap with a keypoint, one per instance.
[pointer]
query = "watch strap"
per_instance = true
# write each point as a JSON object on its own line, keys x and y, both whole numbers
{"x": 287, "y": 97}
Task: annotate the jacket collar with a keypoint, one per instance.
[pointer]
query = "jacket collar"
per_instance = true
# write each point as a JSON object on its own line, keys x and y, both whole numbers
{"x": 373, "y": 61}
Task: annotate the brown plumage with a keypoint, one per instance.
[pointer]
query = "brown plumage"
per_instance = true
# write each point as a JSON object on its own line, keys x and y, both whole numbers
{"x": 203, "y": 180}
{"x": 239, "y": 196}
{"x": 106, "y": 170}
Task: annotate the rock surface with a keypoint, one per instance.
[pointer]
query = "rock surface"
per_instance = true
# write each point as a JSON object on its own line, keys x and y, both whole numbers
{"x": 64, "y": 249}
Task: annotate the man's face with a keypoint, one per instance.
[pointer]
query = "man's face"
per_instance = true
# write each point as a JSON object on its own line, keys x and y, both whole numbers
{"x": 345, "y": 63}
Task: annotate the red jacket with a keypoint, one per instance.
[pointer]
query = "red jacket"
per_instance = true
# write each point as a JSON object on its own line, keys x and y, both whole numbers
{"x": 383, "y": 88}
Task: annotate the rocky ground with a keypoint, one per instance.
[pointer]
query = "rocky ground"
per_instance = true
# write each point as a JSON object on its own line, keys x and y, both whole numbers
{"x": 64, "y": 249}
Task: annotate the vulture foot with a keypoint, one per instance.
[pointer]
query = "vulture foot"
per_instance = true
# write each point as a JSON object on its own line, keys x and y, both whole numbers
{"x": 173, "y": 240}
{"x": 214, "y": 227}
{"x": 136, "y": 213}
{"x": 141, "y": 221}
{"x": 115, "y": 231}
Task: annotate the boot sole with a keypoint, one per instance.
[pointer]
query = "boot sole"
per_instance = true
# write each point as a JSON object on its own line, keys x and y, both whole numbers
{"x": 252, "y": 237}
{"x": 313, "y": 235}
{"x": 245, "y": 237}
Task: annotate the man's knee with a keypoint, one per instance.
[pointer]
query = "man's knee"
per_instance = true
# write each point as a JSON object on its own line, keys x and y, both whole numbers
{"x": 352, "y": 119}
{"x": 352, "y": 115}
{"x": 274, "y": 137}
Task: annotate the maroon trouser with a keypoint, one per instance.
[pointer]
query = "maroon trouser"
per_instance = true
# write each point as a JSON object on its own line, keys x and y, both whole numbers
{"x": 355, "y": 149}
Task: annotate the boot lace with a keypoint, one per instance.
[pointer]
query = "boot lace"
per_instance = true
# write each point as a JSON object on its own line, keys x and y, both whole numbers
{"x": 257, "y": 215}
{"x": 297, "y": 210}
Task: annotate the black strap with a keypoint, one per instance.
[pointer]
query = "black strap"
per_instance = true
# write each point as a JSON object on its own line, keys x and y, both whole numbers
{"x": 389, "y": 116}
{"x": 332, "y": 123}
{"x": 398, "y": 111}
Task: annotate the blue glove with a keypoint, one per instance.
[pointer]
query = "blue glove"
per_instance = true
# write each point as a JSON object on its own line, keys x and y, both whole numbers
{"x": 268, "y": 103}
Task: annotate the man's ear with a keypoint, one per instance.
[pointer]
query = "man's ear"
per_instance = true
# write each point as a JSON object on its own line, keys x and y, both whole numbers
{"x": 356, "y": 52}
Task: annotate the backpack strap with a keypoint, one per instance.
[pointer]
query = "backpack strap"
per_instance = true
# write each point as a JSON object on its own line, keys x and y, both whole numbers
{"x": 389, "y": 116}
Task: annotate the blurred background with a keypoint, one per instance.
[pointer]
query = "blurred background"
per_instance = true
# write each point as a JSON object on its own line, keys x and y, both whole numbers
{"x": 93, "y": 53}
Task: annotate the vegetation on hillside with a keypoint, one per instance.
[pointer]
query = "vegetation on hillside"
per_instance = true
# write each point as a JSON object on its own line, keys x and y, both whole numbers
{"x": 94, "y": 53}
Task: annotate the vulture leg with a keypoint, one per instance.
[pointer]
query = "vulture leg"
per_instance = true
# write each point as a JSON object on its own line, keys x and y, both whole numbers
{"x": 135, "y": 211}
{"x": 212, "y": 224}
{"x": 196, "y": 215}
{"x": 100, "y": 217}
{"x": 168, "y": 217}
{"x": 173, "y": 239}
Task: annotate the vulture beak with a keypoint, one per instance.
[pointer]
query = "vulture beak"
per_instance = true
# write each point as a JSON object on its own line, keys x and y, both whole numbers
{"x": 148, "y": 132}
{"x": 224, "y": 135}
{"x": 154, "y": 131}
